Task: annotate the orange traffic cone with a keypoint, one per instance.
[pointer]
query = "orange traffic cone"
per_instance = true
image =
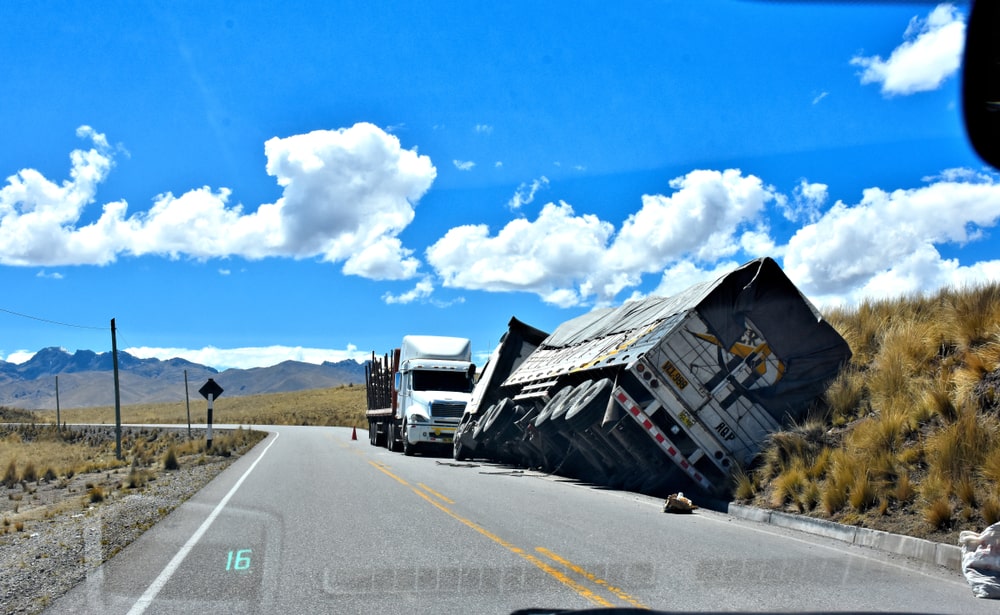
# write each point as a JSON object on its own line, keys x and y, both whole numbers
{"x": 354, "y": 433}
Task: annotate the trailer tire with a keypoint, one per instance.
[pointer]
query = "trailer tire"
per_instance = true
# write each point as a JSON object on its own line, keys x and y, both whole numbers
{"x": 579, "y": 392}
{"x": 553, "y": 404}
{"x": 494, "y": 423}
{"x": 458, "y": 451}
{"x": 594, "y": 400}
{"x": 479, "y": 432}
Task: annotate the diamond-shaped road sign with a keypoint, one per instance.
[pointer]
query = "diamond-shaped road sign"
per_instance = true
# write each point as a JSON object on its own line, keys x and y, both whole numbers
{"x": 211, "y": 388}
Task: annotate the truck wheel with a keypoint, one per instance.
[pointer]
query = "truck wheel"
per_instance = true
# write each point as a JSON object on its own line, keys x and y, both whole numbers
{"x": 408, "y": 449}
{"x": 390, "y": 438}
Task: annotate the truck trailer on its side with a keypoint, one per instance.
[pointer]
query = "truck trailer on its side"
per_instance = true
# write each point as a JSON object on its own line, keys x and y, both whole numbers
{"x": 417, "y": 395}
{"x": 657, "y": 395}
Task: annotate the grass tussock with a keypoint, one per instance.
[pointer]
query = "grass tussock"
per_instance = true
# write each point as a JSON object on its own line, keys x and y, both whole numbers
{"x": 906, "y": 436}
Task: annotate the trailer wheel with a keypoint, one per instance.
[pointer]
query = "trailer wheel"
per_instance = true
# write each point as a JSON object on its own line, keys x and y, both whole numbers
{"x": 594, "y": 400}
{"x": 553, "y": 404}
{"x": 494, "y": 423}
{"x": 458, "y": 451}
{"x": 479, "y": 432}
{"x": 579, "y": 392}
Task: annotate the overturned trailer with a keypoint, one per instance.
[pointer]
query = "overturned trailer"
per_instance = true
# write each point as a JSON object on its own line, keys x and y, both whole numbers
{"x": 657, "y": 395}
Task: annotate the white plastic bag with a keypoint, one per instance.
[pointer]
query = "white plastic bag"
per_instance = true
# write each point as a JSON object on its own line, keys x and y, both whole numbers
{"x": 981, "y": 561}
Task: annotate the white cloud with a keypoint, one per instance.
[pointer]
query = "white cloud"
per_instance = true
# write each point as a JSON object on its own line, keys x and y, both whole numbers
{"x": 484, "y": 129}
{"x": 701, "y": 220}
{"x": 808, "y": 200}
{"x": 566, "y": 258}
{"x": 246, "y": 358}
{"x": 525, "y": 193}
{"x": 422, "y": 290}
{"x": 887, "y": 244}
{"x": 55, "y": 275}
{"x": 547, "y": 255}
{"x": 930, "y": 53}
{"x": 820, "y": 97}
{"x": 225, "y": 271}
{"x": 19, "y": 356}
{"x": 347, "y": 194}
{"x": 498, "y": 164}
{"x": 38, "y": 217}
{"x": 685, "y": 274}
{"x": 463, "y": 165}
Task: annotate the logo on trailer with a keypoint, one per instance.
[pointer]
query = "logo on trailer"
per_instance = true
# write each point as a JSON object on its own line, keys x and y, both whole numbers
{"x": 756, "y": 354}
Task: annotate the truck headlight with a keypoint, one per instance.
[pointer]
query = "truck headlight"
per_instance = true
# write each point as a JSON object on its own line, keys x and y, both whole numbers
{"x": 418, "y": 418}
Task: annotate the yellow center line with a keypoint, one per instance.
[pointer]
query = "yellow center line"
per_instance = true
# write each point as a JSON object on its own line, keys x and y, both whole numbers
{"x": 556, "y": 574}
{"x": 435, "y": 493}
{"x": 559, "y": 576}
{"x": 592, "y": 577}
{"x": 387, "y": 472}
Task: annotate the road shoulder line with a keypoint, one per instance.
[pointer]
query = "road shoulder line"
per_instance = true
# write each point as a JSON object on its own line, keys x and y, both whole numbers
{"x": 154, "y": 588}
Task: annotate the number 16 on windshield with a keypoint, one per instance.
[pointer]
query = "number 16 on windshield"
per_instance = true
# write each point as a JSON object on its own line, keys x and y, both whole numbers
{"x": 238, "y": 560}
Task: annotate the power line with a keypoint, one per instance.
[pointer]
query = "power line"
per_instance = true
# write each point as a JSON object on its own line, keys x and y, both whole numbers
{"x": 52, "y": 322}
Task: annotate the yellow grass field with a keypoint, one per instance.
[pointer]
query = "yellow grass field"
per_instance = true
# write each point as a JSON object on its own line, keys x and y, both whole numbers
{"x": 339, "y": 406}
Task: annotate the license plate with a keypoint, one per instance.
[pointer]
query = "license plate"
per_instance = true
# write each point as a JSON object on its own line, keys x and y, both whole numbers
{"x": 675, "y": 375}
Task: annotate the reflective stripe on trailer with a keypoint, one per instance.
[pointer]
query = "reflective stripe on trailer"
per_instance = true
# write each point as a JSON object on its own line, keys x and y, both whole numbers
{"x": 659, "y": 437}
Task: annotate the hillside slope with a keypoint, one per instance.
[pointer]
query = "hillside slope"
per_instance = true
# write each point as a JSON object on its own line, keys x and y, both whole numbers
{"x": 905, "y": 439}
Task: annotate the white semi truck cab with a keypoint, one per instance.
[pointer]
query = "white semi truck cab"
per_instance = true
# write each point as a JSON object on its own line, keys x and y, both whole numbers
{"x": 432, "y": 380}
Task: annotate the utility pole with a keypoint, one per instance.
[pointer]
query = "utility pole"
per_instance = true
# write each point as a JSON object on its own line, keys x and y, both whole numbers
{"x": 187, "y": 400}
{"x": 118, "y": 397}
{"x": 58, "y": 424}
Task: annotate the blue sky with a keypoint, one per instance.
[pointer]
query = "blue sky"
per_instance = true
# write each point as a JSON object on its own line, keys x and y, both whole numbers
{"x": 244, "y": 183}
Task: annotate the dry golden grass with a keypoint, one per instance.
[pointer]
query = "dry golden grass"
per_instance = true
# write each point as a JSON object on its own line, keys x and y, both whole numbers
{"x": 343, "y": 406}
{"x": 911, "y": 424}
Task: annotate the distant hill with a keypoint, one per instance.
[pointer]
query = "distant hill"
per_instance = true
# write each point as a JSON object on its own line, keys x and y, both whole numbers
{"x": 86, "y": 379}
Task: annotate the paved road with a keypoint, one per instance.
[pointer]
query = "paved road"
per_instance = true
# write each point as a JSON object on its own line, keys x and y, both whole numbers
{"x": 313, "y": 522}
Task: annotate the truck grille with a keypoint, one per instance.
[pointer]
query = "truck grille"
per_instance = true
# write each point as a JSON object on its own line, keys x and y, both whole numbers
{"x": 448, "y": 409}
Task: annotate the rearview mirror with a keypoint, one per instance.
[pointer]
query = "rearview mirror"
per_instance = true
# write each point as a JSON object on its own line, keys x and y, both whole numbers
{"x": 981, "y": 80}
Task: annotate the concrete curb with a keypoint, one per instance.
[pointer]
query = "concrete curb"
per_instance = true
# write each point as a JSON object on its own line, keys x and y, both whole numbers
{"x": 917, "y": 548}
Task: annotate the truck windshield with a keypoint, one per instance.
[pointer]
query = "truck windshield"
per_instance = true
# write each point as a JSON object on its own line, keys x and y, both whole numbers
{"x": 441, "y": 381}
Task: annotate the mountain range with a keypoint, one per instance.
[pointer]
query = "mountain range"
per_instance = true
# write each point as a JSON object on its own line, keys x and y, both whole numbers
{"x": 86, "y": 378}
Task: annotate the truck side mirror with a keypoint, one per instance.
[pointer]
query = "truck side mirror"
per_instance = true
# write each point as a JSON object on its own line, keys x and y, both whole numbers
{"x": 399, "y": 381}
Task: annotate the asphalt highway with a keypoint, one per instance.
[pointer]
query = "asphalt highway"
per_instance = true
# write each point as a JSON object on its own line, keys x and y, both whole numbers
{"x": 312, "y": 521}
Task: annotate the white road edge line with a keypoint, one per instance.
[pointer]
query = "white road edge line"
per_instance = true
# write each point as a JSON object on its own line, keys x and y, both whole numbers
{"x": 154, "y": 588}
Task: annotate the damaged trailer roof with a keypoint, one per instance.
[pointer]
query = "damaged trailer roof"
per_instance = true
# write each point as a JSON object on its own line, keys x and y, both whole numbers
{"x": 757, "y": 292}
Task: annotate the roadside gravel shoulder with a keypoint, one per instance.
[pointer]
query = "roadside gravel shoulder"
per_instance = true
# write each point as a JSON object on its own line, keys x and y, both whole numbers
{"x": 53, "y": 552}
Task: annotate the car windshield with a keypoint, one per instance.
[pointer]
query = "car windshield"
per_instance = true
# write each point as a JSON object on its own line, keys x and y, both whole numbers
{"x": 735, "y": 253}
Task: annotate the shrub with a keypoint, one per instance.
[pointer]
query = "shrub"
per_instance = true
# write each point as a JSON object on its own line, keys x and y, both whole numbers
{"x": 10, "y": 476}
{"x": 95, "y": 494}
{"x": 938, "y": 513}
{"x": 29, "y": 473}
{"x": 170, "y": 460}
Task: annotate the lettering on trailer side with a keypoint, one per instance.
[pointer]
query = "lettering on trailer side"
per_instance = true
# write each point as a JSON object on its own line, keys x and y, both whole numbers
{"x": 725, "y": 431}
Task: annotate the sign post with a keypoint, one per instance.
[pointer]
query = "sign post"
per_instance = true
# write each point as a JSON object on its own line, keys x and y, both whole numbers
{"x": 210, "y": 391}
